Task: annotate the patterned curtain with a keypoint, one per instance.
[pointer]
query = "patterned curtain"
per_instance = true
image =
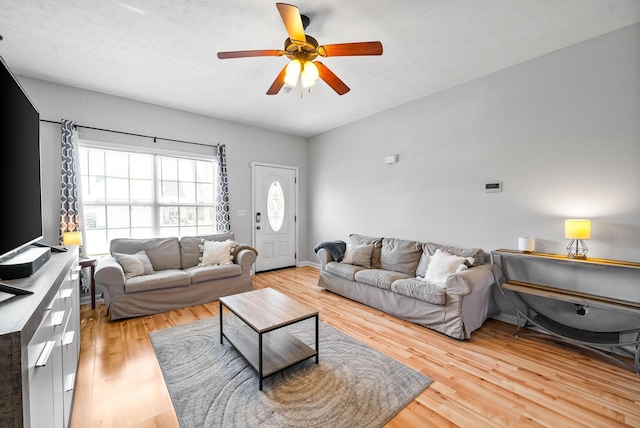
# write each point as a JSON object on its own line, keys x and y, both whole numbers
{"x": 70, "y": 218}
{"x": 223, "y": 219}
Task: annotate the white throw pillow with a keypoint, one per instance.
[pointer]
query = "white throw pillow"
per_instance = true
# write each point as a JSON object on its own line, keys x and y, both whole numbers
{"x": 216, "y": 252}
{"x": 134, "y": 264}
{"x": 442, "y": 265}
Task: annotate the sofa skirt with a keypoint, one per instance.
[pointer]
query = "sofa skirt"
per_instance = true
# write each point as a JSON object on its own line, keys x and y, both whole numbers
{"x": 457, "y": 318}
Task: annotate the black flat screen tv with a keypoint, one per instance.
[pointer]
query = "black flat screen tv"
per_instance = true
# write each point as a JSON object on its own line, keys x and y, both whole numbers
{"x": 20, "y": 185}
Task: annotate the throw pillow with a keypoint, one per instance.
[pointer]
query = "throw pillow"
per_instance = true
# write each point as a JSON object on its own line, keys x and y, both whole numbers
{"x": 359, "y": 255}
{"x": 134, "y": 264}
{"x": 216, "y": 252}
{"x": 442, "y": 265}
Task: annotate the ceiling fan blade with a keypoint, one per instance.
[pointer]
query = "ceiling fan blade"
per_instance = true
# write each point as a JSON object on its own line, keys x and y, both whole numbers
{"x": 248, "y": 54}
{"x": 331, "y": 79}
{"x": 278, "y": 83}
{"x": 292, "y": 21}
{"x": 351, "y": 49}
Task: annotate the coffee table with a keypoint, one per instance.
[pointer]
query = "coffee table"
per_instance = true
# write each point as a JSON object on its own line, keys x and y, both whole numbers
{"x": 265, "y": 312}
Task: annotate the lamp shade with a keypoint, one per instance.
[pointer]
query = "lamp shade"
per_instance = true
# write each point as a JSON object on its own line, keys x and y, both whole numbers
{"x": 309, "y": 74}
{"x": 72, "y": 238}
{"x": 292, "y": 72}
{"x": 577, "y": 229}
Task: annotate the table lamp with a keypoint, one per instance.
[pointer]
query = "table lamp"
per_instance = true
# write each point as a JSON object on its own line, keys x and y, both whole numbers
{"x": 72, "y": 238}
{"x": 577, "y": 230}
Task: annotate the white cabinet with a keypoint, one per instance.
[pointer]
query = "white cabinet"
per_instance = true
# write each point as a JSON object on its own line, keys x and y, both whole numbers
{"x": 40, "y": 342}
{"x": 70, "y": 340}
{"x": 43, "y": 367}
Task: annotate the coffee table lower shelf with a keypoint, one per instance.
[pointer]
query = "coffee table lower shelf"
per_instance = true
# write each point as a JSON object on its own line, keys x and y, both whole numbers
{"x": 276, "y": 349}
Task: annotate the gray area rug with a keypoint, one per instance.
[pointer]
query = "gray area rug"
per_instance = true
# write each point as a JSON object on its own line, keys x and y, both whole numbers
{"x": 211, "y": 385}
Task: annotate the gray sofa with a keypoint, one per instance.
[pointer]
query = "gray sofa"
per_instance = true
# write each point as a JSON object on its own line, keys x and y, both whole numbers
{"x": 391, "y": 280}
{"x": 176, "y": 282}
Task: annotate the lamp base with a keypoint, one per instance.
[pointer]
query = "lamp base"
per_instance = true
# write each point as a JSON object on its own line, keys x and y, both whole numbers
{"x": 577, "y": 249}
{"x": 576, "y": 256}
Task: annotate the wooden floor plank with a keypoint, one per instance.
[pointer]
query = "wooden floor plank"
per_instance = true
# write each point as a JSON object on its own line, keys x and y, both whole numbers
{"x": 493, "y": 380}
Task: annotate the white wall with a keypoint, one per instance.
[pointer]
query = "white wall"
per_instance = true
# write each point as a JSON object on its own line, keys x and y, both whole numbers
{"x": 562, "y": 132}
{"x": 244, "y": 144}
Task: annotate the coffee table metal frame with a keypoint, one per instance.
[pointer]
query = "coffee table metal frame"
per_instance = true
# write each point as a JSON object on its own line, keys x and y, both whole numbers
{"x": 279, "y": 349}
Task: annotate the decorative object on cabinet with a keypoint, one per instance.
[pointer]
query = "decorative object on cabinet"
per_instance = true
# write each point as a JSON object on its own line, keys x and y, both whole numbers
{"x": 529, "y": 315}
{"x": 577, "y": 230}
{"x": 72, "y": 238}
{"x": 40, "y": 344}
{"x": 526, "y": 244}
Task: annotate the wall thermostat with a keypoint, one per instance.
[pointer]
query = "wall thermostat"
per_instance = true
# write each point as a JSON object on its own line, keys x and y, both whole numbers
{"x": 493, "y": 187}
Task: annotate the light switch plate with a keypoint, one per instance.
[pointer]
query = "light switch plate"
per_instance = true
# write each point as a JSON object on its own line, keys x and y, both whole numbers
{"x": 241, "y": 213}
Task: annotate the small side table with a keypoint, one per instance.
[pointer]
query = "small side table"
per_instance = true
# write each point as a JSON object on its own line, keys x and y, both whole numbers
{"x": 91, "y": 263}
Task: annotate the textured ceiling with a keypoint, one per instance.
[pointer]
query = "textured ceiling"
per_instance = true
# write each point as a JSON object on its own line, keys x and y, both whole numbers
{"x": 164, "y": 51}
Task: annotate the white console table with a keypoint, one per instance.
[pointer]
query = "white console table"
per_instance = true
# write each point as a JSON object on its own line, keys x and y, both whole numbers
{"x": 40, "y": 346}
{"x": 603, "y": 343}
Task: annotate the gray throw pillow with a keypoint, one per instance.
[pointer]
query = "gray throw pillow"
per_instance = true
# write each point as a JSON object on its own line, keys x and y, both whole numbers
{"x": 134, "y": 264}
{"x": 359, "y": 255}
{"x": 356, "y": 239}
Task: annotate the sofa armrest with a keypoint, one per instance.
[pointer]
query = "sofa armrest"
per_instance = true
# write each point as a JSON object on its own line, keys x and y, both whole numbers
{"x": 109, "y": 273}
{"x": 245, "y": 258}
{"x": 467, "y": 281}
{"x": 325, "y": 257}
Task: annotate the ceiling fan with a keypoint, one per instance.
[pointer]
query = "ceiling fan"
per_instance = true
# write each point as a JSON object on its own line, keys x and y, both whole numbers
{"x": 302, "y": 50}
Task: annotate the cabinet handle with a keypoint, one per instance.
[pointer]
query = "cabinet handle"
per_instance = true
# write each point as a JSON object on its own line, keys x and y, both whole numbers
{"x": 43, "y": 359}
{"x": 57, "y": 318}
{"x": 69, "y": 382}
{"x": 67, "y": 339}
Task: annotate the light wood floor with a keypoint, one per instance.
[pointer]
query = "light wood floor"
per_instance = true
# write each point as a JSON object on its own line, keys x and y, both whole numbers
{"x": 494, "y": 379}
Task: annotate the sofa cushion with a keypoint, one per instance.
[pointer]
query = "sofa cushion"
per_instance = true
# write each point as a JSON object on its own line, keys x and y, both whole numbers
{"x": 164, "y": 253}
{"x": 429, "y": 249}
{"x": 168, "y": 278}
{"x": 207, "y": 273}
{"x": 134, "y": 264}
{"x": 378, "y": 277}
{"x": 189, "y": 250}
{"x": 425, "y": 291}
{"x": 356, "y": 239}
{"x": 400, "y": 256}
{"x": 359, "y": 255}
{"x": 343, "y": 270}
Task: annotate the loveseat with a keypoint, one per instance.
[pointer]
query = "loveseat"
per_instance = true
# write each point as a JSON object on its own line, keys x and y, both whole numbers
{"x": 148, "y": 276}
{"x": 446, "y": 289}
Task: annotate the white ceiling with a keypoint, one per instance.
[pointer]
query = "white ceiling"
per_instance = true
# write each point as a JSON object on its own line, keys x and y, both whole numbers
{"x": 164, "y": 51}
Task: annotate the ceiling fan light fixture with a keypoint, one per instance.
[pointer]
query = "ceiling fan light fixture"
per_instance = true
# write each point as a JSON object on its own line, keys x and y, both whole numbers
{"x": 303, "y": 50}
{"x": 292, "y": 73}
{"x": 309, "y": 74}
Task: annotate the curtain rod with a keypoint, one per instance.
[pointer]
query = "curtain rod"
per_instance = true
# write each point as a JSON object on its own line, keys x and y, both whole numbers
{"x": 135, "y": 135}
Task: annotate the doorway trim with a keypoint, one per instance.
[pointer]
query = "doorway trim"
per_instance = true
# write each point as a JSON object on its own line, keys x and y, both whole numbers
{"x": 253, "y": 202}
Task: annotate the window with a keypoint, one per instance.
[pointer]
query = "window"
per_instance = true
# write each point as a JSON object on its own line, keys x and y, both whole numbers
{"x": 142, "y": 195}
{"x": 275, "y": 206}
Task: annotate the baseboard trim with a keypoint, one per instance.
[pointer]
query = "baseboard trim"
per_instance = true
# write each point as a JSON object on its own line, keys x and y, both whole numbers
{"x": 508, "y": 318}
{"x": 310, "y": 264}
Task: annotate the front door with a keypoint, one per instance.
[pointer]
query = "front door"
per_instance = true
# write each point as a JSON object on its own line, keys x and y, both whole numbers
{"x": 274, "y": 215}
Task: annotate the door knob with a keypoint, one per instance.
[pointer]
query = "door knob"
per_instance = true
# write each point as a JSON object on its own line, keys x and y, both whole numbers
{"x": 258, "y": 227}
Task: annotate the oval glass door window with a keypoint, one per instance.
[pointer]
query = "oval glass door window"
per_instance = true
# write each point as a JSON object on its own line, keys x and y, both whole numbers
{"x": 275, "y": 206}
